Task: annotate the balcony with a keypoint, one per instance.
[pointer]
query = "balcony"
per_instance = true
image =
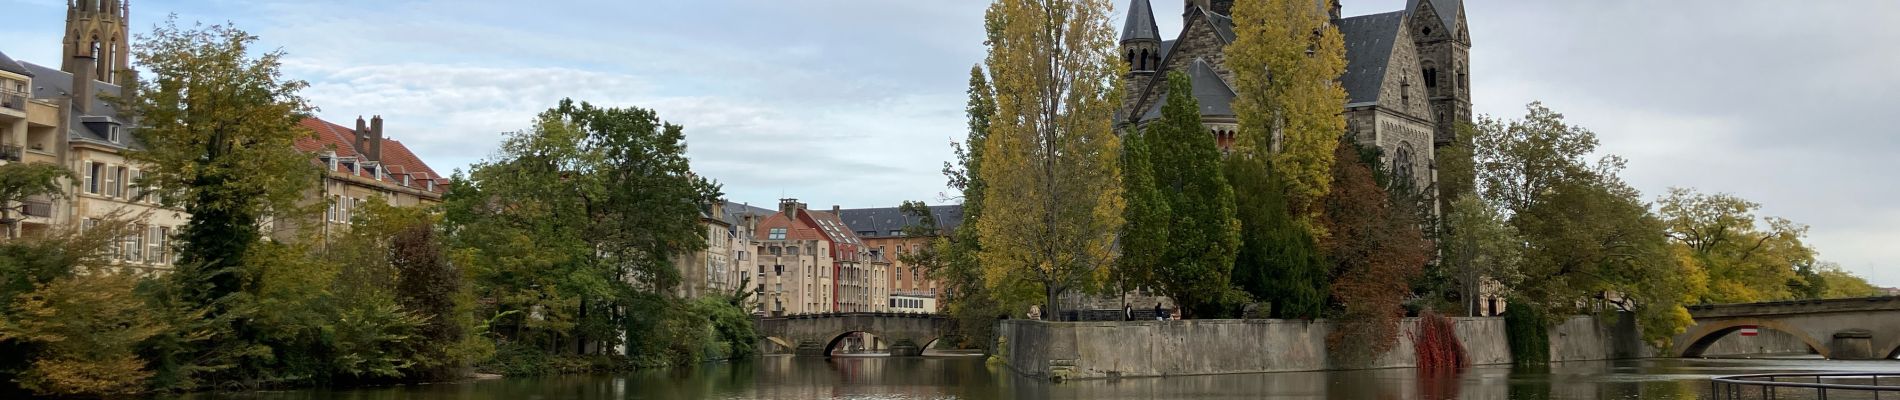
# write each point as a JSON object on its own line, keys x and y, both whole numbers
{"x": 10, "y": 153}
{"x": 42, "y": 209}
{"x": 14, "y": 100}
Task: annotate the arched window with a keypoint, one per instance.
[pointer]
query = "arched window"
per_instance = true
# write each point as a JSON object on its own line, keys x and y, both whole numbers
{"x": 1145, "y": 65}
{"x": 1131, "y": 60}
{"x": 1463, "y": 80}
{"x": 1431, "y": 75}
{"x": 1402, "y": 163}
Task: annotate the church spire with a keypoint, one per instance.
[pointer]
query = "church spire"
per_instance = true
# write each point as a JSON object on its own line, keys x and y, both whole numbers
{"x": 1141, "y": 23}
{"x": 96, "y": 30}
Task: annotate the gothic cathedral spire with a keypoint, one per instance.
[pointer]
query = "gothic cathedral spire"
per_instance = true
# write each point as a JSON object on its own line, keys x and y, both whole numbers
{"x": 96, "y": 39}
{"x": 1444, "y": 50}
{"x": 1141, "y": 49}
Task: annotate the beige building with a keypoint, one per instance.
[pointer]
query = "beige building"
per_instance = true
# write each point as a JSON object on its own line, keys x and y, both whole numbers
{"x": 59, "y": 116}
{"x": 710, "y": 271}
{"x": 883, "y": 233}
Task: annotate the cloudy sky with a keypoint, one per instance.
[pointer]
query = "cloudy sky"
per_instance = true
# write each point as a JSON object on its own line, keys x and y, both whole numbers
{"x": 854, "y": 102}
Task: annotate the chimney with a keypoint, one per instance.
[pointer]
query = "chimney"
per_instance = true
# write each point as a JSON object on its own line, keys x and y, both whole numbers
{"x": 376, "y": 138}
{"x": 358, "y": 137}
{"x": 789, "y": 207}
{"x": 82, "y": 81}
{"x": 834, "y": 211}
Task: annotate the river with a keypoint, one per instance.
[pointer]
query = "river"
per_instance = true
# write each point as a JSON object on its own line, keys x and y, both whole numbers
{"x": 785, "y": 377}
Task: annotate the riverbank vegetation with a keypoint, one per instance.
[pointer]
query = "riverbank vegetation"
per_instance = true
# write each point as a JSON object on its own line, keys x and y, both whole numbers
{"x": 554, "y": 256}
{"x": 1527, "y": 216}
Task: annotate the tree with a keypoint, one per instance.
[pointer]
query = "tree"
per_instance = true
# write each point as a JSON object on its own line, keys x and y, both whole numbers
{"x": 1144, "y": 238}
{"x": 1287, "y": 58}
{"x": 88, "y": 327}
{"x": 1202, "y": 232}
{"x": 1589, "y": 242}
{"x": 1278, "y": 262}
{"x": 1376, "y": 248}
{"x": 1052, "y": 204}
{"x": 21, "y": 181}
{"x": 1840, "y": 284}
{"x": 218, "y": 127}
{"x": 572, "y": 229}
{"x": 951, "y": 258}
{"x": 1743, "y": 263}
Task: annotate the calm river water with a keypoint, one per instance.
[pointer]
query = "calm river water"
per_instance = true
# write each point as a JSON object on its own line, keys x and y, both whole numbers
{"x": 783, "y": 377}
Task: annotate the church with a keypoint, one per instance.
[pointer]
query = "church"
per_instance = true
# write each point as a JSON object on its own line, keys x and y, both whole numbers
{"x": 1407, "y": 76}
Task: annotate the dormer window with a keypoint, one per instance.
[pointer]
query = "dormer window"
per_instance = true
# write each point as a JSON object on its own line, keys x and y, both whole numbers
{"x": 406, "y": 180}
{"x": 112, "y": 133}
{"x": 328, "y": 158}
{"x": 431, "y": 185}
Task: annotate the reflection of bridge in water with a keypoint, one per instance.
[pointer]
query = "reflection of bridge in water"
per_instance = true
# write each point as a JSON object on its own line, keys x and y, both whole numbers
{"x": 1841, "y": 329}
{"x": 819, "y": 334}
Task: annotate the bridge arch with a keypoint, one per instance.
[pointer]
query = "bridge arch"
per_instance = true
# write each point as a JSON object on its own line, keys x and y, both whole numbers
{"x": 894, "y": 345}
{"x": 1700, "y": 337}
{"x": 820, "y": 334}
{"x": 1893, "y": 350}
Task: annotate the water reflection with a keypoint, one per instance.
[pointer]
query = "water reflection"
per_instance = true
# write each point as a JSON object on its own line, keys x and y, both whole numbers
{"x": 971, "y": 378}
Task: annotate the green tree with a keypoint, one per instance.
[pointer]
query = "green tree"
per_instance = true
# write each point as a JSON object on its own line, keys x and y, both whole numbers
{"x": 1144, "y": 239}
{"x": 1741, "y": 261}
{"x": 1203, "y": 234}
{"x": 1589, "y": 241}
{"x": 952, "y": 261}
{"x": 1840, "y": 284}
{"x": 218, "y": 125}
{"x": 1278, "y": 262}
{"x": 1052, "y": 179}
{"x": 1287, "y": 58}
{"x": 572, "y": 230}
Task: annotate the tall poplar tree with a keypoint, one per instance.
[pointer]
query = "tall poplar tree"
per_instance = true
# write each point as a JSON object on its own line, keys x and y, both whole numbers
{"x": 1144, "y": 240}
{"x": 1052, "y": 206}
{"x": 1202, "y": 233}
{"x": 1287, "y": 58}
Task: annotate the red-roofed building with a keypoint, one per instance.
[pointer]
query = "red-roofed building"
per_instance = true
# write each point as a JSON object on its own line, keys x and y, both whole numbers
{"x": 809, "y": 262}
{"x": 362, "y": 164}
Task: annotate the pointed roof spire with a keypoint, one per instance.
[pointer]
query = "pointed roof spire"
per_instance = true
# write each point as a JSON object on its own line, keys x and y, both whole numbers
{"x": 1141, "y": 22}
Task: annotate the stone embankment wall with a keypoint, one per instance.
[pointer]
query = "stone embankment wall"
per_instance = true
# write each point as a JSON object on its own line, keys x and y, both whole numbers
{"x": 1097, "y": 350}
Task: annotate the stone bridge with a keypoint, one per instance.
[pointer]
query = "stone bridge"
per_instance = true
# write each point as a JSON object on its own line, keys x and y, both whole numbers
{"x": 1839, "y": 329}
{"x": 818, "y": 334}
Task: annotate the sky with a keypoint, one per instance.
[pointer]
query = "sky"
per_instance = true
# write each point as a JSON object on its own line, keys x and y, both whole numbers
{"x": 855, "y": 102}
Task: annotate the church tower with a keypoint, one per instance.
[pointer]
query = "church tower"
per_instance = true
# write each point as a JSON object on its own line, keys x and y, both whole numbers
{"x": 1444, "y": 52}
{"x": 1141, "y": 49}
{"x": 96, "y": 39}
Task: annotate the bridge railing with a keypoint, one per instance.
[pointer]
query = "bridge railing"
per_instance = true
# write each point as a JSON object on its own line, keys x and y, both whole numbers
{"x": 1816, "y": 384}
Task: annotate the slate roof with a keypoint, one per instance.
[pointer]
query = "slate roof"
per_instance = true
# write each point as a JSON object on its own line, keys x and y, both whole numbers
{"x": 1215, "y": 97}
{"x": 880, "y": 222}
{"x": 1447, "y": 10}
{"x": 1140, "y": 23}
{"x": 1166, "y": 46}
{"x": 9, "y": 65}
{"x": 1369, "y": 40}
{"x": 54, "y": 84}
{"x": 1223, "y": 25}
{"x": 736, "y": 212}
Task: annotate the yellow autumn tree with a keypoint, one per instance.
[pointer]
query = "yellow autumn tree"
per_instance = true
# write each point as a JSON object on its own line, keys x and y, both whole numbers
{"x": 1287, "y": 59}
{"x": 1052, "y": 206}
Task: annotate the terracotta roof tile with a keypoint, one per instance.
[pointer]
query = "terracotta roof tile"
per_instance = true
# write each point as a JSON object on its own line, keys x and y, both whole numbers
{"x": 397, "y": 159}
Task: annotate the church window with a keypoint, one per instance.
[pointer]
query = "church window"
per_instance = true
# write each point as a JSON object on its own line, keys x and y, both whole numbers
{"x": 1431, "y": 77}
{"x": 1402, "y": 163}
{"x": 1462, "y": 80}
{"x": 1428, "y": 31}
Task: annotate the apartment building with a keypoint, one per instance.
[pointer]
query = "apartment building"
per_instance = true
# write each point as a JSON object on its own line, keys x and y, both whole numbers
{"x": 359, "y": 164}
{"x": 810, "y": 262}
{"x": 883, "y": 231}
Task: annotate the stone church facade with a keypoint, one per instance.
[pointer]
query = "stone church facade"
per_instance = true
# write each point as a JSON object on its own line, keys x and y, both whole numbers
{"x": 1406, "y": 79}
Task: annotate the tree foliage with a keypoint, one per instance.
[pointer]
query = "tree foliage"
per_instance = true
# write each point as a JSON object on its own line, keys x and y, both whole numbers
{"x": 1144, "y": 237}
{"x": 952, "y": 257}
{"x": 1287, "y": 58}
{"x": 1376, "y": 247}
{"x": 1052, "y": 179}
{"x": 1743, "y": 259}
{"x": 1589, "y": 242}
{"x": 1202, "y": 232}
{"x": 218, "y": 125}
{"x": 1278, "y": 262}
{"x": 572, "y": 228}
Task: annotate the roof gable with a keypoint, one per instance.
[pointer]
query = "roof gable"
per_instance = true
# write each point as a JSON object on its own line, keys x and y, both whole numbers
{"x": 1369, "y": 40}
{"x": 1446, "y": 10}
{"x": 1212, "y": 94}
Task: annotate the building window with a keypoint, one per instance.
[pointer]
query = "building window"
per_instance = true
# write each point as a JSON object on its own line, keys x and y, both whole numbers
{"x": 95, "y": 173}
{"x": 776, "y": 234}
{"x": 112, "y": 133}
{"x": 1431, "y": 78}
{"x": 154, "y": 252}
{"x": 791, "y": 250}
{"x": 113, "y": 176}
